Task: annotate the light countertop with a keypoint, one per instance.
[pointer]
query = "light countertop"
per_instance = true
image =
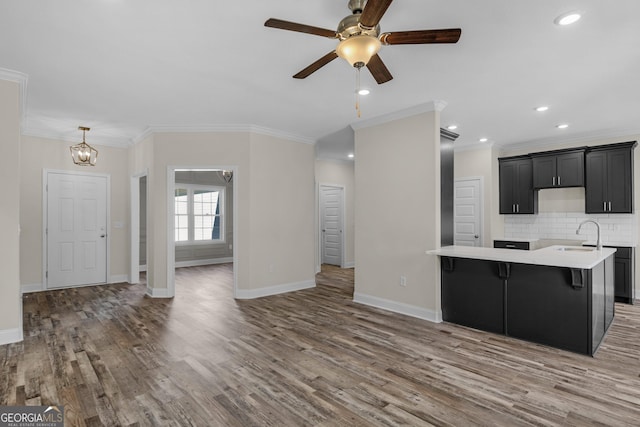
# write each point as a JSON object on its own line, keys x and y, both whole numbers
{"x": 551, "y": 255}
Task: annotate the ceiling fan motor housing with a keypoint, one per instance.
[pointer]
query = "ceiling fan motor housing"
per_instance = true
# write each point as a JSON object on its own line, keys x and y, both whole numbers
{"x": 349, "y": 26}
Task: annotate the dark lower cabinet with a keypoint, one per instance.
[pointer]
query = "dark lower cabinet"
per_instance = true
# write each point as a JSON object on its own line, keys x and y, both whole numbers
{"x": 562, "y": 307}
{"x": 480, "y": 306}
{"x": 625, "y": 275}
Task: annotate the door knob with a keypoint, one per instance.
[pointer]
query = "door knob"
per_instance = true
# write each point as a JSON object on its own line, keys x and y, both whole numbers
{"x": 476, "y": 236}
{"x": 102, "y": 235}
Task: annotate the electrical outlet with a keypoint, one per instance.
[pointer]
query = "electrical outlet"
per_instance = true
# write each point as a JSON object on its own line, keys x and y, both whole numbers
{"x": 403, "y": 281}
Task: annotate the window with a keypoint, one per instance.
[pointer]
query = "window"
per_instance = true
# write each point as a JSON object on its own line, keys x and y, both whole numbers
{"x": 199, "y": 213}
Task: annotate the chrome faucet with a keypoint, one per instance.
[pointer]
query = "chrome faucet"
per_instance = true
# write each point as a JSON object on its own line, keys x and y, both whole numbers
{"x": 599, "y": 242}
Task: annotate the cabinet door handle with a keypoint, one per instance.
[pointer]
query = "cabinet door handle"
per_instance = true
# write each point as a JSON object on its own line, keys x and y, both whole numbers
{"x": 513, "y": 208}
{"x": 604, "y": 206}
{"x": 553, "y": 180}
{"x": 558, "y": 180}
{"x": 518, "y": 208}
{"x": 609, "y": 206}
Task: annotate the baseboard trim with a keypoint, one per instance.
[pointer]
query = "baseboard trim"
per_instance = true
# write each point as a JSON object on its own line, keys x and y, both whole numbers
{"x": 9, "y": 336}
{"x": 274, "y": 290}
{"x": 199, "y": 262}
{"x": 158, "y": 293}
{"x": 31, "y": 287}
{"x": 399, "y": 307}
{"x": 119, "y": 278}
{"x": 351, "y": 264}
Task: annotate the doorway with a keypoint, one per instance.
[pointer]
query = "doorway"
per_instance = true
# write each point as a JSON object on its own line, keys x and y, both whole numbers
{"x": 331, "y": 219}
{"x": 76, "y": 229}
{"x": 139, "y": 185}
{"x": 203, "y": 196}
{"x": 467, "y": 212}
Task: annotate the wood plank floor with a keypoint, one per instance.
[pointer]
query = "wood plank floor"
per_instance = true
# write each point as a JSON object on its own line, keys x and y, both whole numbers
{"x": 310, "y": 358}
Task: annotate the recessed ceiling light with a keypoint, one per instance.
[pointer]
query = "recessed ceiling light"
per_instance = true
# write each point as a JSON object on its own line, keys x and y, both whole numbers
{"x": 542, "y": 108}
{"x": 452, "y": 127}
{"x": 484, "y": 139}
{"x": 568, "y": 18}
{"x": 562, "y": 126}
{"x": 351, "y": 156}
{"x": 364, "y": 92}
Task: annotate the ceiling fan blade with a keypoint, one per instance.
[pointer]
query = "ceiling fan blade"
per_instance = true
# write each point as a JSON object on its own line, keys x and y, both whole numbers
{"x": 450, "y": 35}
{"x": 379, "y": 70}
{"x": 301, "y": 28}
{"x": 373, "y": 11}
{"x": 316, "y": 65}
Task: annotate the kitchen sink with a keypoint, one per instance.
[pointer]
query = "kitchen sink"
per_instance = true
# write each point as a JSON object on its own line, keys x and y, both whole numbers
{"x": 574, "y": 249}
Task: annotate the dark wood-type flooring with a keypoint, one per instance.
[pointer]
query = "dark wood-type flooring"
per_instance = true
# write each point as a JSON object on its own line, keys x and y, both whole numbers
{"x": 310, "y": 358}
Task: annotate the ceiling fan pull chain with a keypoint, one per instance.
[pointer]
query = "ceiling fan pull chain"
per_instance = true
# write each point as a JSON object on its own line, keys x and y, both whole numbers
{"x": 358, "y": 91}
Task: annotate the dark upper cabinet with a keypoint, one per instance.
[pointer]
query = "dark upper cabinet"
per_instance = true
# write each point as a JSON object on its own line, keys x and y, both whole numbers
{"x": 609, "y": 179}
{"x": 558, "y": 169}
{"x": 517, "y": 195}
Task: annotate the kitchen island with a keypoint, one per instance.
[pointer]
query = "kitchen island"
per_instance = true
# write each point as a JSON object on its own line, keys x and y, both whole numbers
{"x": 561, "y": 296}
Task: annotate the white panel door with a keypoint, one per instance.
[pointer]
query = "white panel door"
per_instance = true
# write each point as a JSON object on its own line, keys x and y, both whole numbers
{"x": 76, "y": 230}
{"x": 331, "y": 224}
{"x": 467, "y": 213}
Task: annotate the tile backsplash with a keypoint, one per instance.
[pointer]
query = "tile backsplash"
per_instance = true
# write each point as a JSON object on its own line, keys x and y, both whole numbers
{"x": 617, "y": 228}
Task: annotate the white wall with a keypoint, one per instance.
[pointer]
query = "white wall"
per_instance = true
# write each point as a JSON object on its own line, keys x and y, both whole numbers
{"x": 282, "y": 213}
{"x": 10, "y": 298}
{"x": 397, "y": 176}
{"x": 274, "y": 185}
{"x": 341, "y": 173}
{"x": 38, "y": 154}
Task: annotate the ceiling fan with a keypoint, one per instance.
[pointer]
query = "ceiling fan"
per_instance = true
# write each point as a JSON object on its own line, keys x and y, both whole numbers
{"x": 360, "y": 38}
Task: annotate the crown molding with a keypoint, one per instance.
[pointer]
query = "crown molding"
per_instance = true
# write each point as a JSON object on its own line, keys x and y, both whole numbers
{"x": 21, "y": 79}
{"x": 579, "y": 138}
{"x": 222, "y": 128}
{"x": 427, "y": 107}
{"x": 92, "y": 140}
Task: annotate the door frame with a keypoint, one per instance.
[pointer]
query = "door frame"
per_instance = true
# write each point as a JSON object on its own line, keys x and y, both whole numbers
{"x": 319, "y": 224}
{"x": 480, "y": 180}
{"x": 134, "y": 268}
{"x": 171, "y": 244}
{"x": 45, "y": 221}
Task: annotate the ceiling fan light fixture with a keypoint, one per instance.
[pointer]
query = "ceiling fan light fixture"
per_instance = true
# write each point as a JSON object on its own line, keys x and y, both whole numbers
{"x": 358, "y": 50}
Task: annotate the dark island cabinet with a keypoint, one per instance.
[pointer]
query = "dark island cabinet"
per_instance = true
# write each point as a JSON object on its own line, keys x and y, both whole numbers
{"x": 536, "y": 312}
{"x": 480, "y": 306}
{"x": 567, "y": 308}
{"x": 517, "y": 195}
{"x": 609, "y": 179}
{"x": 558, "y": 169}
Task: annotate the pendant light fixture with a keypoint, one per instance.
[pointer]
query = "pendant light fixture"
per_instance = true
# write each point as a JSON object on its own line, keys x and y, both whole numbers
{"x": 83, "y": 154}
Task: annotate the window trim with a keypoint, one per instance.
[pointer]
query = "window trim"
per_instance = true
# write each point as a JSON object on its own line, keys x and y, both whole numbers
{"x": 190, "y": 215}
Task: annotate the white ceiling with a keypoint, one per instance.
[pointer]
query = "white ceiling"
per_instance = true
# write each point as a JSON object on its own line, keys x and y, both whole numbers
{"x": 124, "y": 66}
